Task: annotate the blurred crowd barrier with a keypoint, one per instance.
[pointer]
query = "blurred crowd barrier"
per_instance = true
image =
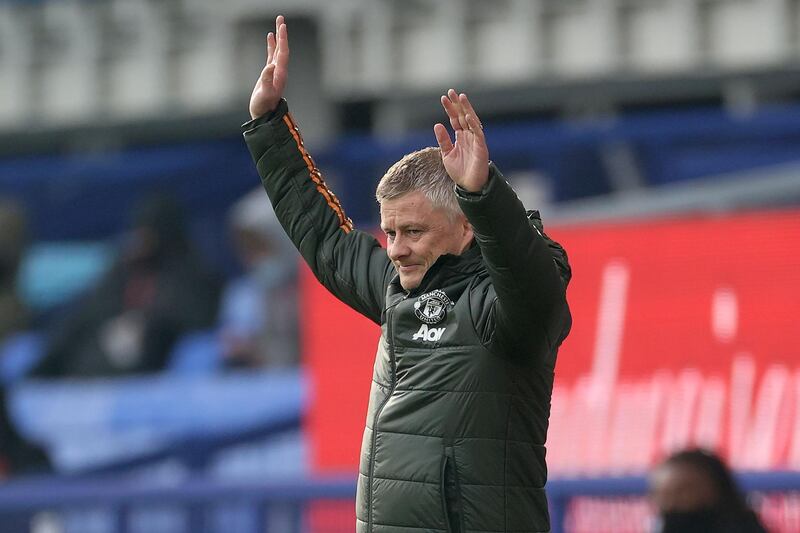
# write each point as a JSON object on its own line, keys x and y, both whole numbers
{"x": 325, "y": 505}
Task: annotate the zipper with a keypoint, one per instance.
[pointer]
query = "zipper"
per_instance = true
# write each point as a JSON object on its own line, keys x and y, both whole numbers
{"x": 393, "y": 369}
{"x": 451, "y": 495}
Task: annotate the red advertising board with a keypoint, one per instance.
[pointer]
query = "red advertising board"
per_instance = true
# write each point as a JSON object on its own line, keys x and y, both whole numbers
{"x": 685, "y": 332}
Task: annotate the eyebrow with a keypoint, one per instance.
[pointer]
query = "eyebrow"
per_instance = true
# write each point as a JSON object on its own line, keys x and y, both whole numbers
{"x": 415, "y": 225}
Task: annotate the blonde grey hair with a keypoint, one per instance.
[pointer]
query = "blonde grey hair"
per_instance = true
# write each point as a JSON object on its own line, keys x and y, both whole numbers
{"x": 421, "y": 171}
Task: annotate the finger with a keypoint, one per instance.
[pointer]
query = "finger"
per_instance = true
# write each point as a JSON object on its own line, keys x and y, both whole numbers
{"x": 268, "y": 74}
{"x": 283, "y": 39}
{"x": 455, "y": 100}
{"x": 452, "y": 95}
{"x": 459, "y": 135}
{"x": 452, "y": 112}
{"x": 282, "y": 58}
{"x": 279, "y": 78}
{"x": 270, "y": 46}
{"x": 443, "y": 138}
{"x": 282, "y": 49}
{"x": 466, "y": 105}
{"x": 475, "y": 125}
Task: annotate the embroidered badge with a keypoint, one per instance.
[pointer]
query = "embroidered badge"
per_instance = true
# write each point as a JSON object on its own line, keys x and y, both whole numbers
{"x": 431, "y": 307}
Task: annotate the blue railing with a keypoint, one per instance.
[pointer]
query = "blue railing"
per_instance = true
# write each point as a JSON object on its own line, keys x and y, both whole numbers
{"x": 274, "y": 506}
{"x": 563, "y": 491}
{"x": 193, "y": 504}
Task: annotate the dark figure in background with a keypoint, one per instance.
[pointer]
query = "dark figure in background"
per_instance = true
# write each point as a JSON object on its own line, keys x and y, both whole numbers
{"x": 693, "y": 491}
{"x": 17, "y": 455}
{"x": 157, "y": 290}
{"x": 13, "y": 242}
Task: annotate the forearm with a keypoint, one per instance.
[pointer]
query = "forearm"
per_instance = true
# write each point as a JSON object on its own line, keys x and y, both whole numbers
{"x": 347, "y": 262}
{"x": 522, "y": 268}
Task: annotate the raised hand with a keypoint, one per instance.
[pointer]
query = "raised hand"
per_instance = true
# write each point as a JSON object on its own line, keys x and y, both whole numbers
{"x": 270, "y": 85}
{"x": 466, "y": 161}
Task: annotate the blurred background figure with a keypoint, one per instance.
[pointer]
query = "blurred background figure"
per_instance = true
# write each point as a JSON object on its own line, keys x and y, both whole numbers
{"x": 17, "y": 455}
{"x": 157, "y": 290}
{"x": 695, "y": 492}
{"x": 258, "y": 315}
{"x": 13, "y": 241}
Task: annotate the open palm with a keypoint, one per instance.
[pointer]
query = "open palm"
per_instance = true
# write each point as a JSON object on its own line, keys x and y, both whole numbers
{"x": 270, "y": 85}
{"x": 466, "y": 160}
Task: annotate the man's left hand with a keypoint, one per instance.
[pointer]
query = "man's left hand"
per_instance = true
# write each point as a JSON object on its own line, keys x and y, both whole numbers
{"x": 466, "y": 160}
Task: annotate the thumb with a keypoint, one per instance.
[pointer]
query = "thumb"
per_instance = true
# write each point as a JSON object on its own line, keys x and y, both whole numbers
{"x": 267, "y": 73}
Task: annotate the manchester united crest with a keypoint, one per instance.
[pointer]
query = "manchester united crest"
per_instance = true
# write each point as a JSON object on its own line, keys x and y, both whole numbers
{"x": 431, "y": 307}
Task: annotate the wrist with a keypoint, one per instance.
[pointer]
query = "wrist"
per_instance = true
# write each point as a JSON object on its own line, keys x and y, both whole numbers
{"x": 477, "y": 193}
{"x": 477, "y": 184}
{"x": 269, "y": 106}
{"x": 277, "y": 112}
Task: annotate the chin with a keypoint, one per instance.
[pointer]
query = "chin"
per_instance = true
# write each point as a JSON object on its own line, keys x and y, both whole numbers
{"x": 409, "y": 284}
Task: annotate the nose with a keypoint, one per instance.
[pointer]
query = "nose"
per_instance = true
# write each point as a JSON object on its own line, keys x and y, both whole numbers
{"x": 397, "y": 249}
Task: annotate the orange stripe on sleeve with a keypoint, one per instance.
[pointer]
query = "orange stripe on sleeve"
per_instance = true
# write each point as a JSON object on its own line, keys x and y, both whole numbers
{"x": 316, "y": 176}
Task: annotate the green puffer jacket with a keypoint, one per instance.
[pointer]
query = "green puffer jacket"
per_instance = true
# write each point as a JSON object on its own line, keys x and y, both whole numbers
{"x": 460, "y": 397}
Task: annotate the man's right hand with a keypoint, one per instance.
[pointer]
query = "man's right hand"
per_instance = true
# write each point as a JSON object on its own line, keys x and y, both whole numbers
{"x": 269, "y": 87}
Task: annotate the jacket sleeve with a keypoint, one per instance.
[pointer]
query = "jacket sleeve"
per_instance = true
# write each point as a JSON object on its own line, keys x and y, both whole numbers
{"x": 528, "y": 312}
{"x": 349, "y": 263}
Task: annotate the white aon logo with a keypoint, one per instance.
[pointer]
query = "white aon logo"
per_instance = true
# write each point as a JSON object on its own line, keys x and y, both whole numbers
{"x": 428, "y": 334}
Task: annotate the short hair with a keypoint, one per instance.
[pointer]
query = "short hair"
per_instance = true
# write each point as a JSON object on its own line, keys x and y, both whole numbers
{"x": 421, "y": 171}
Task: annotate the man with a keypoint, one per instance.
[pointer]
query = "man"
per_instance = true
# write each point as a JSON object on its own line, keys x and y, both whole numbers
{"x": 157, "y": 290}
{"x": 694, "y": 491}
{"x": 472, "y": 308}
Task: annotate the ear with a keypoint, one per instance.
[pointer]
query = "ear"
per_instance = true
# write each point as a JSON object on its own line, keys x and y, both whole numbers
{"x": 467, "y": 233}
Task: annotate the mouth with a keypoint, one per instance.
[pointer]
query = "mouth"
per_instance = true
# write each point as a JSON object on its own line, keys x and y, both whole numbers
{"x": 405, "y": 269}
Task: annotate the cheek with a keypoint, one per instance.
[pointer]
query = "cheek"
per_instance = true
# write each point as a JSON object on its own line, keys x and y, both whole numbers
{"x": 430, "y": 252}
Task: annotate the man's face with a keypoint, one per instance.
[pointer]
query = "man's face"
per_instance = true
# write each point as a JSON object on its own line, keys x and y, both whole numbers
{"x": 417, "y": 233}
{"x": 681, "y": 488}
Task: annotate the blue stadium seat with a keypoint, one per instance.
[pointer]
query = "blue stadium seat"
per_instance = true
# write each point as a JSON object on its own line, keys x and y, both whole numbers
{"x": 196, "y": 354}
{"x": 18, "y": 354}
{"x": 86, "y": 423}
{"x": 54, "y": 272}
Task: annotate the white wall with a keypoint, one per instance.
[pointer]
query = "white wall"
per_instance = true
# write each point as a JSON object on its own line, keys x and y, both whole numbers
{"x": 74, "y": 61}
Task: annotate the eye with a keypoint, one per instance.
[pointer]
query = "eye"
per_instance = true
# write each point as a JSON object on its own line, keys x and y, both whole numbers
{"x": 415, "y": 232}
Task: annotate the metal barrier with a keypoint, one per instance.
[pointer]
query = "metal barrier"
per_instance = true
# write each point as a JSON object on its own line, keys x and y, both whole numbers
{"x": 206, "y": 506}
